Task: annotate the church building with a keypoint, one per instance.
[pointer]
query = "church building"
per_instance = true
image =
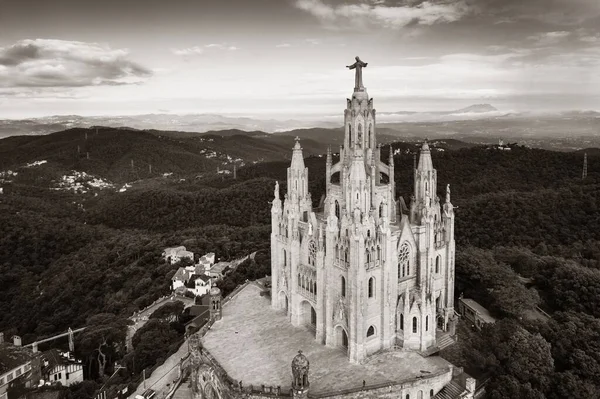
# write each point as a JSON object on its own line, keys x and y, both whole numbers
{"x": 364, "y": 271}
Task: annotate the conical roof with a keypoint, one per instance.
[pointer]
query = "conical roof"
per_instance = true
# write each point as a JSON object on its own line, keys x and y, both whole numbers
{"x": 425, "y": 162}
{"x": 297, "y": 157}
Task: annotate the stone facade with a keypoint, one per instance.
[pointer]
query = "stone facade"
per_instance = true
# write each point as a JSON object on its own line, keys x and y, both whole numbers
{"x": 364, "y": 272}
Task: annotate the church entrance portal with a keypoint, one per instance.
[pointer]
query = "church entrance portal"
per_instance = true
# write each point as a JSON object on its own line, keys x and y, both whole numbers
{"x": 309, "y": 316}
{"x": 283, "y": 302}
{"x": 341, "y": 338}
{"x": 440, "y": 322}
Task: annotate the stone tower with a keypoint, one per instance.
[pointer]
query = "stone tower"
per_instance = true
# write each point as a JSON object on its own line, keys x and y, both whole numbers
{"x": 215, "y": 303}
{"x": 362, "y": 272}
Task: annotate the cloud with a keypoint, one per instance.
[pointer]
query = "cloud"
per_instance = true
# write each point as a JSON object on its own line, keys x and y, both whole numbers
{"x": 546, "y": 38}
{"x": 188, "y": 51}
{"x": 222, "y": 46}
{"x": 315, "y": 42}
{"x": 590, "y": 39}
{"x": 197, "y": 50}
{"x": 375, "y": 13}
{"x": 282, "y": 45}
{"x": 555, "y": 12}
{"x": 62, "y": 63}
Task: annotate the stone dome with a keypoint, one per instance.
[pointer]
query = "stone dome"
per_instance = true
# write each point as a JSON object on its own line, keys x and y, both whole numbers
{"x": 300, "y": 362}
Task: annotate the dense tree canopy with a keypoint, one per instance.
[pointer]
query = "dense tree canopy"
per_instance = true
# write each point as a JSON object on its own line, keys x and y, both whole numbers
{"x": 527, "y": 230}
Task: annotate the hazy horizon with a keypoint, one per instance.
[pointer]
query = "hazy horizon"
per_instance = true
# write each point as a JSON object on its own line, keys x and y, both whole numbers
{"x": 262, "y": 57}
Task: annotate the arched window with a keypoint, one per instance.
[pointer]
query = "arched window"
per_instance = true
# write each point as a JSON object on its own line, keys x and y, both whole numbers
{"x": 438, "y": 261}
{"x": 349, "y": 136}
{"x": 346, "y": 255}
{"x": 407, "y": 396}
{"x": 337, "y": 209}
{"x": 368, "y": 256}
{"x": 371, "y": 331}
{"x": 371, "y": 287}
{"x": 414, "y": 325}
{"x": 370, "y": 135}
{"x": 312, "y": 252}
{"x": 404, "y": 261}
{"x": 299, "y": 280}
{"x": 426, "y": 186}
{"x": 426, "y": 323}
{"x": 315, "y": 288}
{"x": 402, "y": 321}
{"x": 431, "y": 393}
{"x": 420, "y": 395}
{"x": 381, "y": 210}
{"x": 285, "y": 255}
{"x": 343, "y": 286}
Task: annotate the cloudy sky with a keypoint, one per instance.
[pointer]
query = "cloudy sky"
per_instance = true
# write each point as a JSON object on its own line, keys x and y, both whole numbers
{"x": 271, "y": 57}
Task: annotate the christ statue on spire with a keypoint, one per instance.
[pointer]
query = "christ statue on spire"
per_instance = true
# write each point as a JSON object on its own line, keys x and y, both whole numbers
{"x": 358, "y": 65}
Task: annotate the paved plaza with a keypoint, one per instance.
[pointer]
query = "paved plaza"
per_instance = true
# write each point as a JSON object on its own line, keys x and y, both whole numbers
{"x": 256, "y": 344}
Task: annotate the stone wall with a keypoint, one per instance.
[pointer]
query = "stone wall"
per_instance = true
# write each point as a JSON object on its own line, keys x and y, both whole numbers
{"x": 394, "y": 390}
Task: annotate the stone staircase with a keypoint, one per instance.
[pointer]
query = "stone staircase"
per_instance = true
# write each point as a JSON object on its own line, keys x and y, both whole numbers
{"x": 451, "y": 391}
{"x": 444, "y": 340}
{"x": 183, "y": 391}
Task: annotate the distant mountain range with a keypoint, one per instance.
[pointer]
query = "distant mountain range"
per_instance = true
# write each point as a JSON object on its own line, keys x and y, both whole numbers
{"x": 479, "y": 123}
{"x": 476, "y": 108}
{"x": 201, "y": 123}
{"x": 126, "y": 155}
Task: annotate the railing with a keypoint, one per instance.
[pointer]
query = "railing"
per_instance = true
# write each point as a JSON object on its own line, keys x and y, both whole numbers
{"x": 266, "y": 391}
{"x": 307, "y": 294}
{"x": 373, "y": 264}
{"x": 340, "y": 263}
{"x": 378, "y": 386}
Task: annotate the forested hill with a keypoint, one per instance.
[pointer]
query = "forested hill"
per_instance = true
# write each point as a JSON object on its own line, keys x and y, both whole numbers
{"x": 523, "y": 196}
{"x": 122, "y": 155}
{"x": 66, "y": 254}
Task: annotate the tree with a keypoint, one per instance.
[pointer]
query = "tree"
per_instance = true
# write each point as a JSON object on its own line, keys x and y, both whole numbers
{"x": 82, "y": 390}
{"x": 168, "y": 312}
{"x": 508, "y": 387}
{"x": 527, "y": 358}
{"x": 102, "y": 342}
{"x": 575, "y": 339}
{"x": 154, "y": 341}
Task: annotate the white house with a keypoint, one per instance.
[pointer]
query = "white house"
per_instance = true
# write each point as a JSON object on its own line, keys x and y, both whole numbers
{"x": 175, "y": 254}
{"x": 208, "y": 258}
{"x": 219, "y": 270}
{"x": 206, "y": 261}
{"x": 16, "y": 362}
{"x": 61, "y": 367}
{"x": 179, "y": 279}
{"x": 199, "y": 284}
